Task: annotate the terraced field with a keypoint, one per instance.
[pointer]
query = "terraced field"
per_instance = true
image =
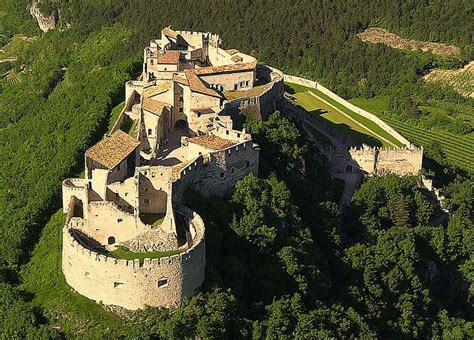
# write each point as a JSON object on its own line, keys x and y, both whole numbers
{"x": 459, "y": 149}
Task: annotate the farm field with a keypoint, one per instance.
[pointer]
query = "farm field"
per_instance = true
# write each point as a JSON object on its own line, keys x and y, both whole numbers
{"x": 458, "y": 149}
{"x": 358, "y": 131}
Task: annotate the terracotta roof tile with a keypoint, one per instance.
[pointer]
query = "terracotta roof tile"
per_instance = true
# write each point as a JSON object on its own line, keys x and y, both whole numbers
{"x": 211, "y": 142}
{"x": 157, "y": 89}
{"x": 167, "y": 57}
{"x": 169, "y": 32}
{"x": 180, "y": 80}
{"x": 196, "y": 85}
{"x": 110, "y": 151}
{"x": 153, "y": 106}
{"x": 226, "y": 68}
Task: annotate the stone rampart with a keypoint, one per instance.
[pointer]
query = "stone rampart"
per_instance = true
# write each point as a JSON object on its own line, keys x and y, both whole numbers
{"x": 401, "y": 161}
{"x": 350, "y": 106}
{"x": 216, "y": 173}
{"x": 133, "y": 284}
{"x": 74, "y": 187}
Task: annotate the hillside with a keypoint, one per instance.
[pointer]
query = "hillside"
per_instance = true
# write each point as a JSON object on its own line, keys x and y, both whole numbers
{"x": 281, "y": 261}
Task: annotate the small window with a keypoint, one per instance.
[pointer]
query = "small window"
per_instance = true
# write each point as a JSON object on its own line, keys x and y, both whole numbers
{"x": 166, "y": 69}
{"x": 162, "y": 282}
{"x": 117, "y": 284}
{"x": 180, "y": 109}
{"x": 151, "y": 61}
{"x": 222, "y": 175}
{"x": 111, "y": 240}
{"x": 236, "y": 87}
{"x": 149, "y": 132}
{"x": 118, "y": 167}
{"x": 181, "y": 98}
{"x": 226, "y": 132}
{"x": 247, "y": 164}
{"x": 199, "y": 114}
{"x": 146, "y": 201}
{"x": 247, "y": 83}
{"x": 119, "y": 220}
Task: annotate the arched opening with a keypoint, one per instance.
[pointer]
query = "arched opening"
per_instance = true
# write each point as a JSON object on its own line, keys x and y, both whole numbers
{"x": 111, "y": 240}
{"x": 181, "y": 124}
{"x": 349, "y": 168}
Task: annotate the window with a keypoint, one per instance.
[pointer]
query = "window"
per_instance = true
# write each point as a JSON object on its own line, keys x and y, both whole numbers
{"x": 163, "y": 282}
{"x": 149, "y": 132}
{"x": 119, "y": 220}
{"x": 235, "y": 87}
{"x": 199, "y": 114}
{"x": 222, "y": 175}
{"x": 111, "y": 240}
{"x": 166, "y": 69}
{"x": 146, "y": 201}
{"x": 117, "y": 284}
{"x": 247, "y": 164}
{"x": 180, "y": 109}
{"x": 181, "y": 98}
{"x": 247, "y": 83}
{"x": 118, "y": 167}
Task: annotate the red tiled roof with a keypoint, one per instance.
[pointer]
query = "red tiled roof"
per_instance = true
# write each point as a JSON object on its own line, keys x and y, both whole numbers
{"x": 211, "y": 142}
{"x": 154, "y": 106}
{"x": 196, "y": 85}
{"x": 226, "y": 68}
{"x": 167, "y": 57}
{"x": 110, "y": 151}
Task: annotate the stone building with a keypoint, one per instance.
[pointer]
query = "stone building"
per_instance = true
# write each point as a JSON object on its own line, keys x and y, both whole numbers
{"x": 128, "y": 239}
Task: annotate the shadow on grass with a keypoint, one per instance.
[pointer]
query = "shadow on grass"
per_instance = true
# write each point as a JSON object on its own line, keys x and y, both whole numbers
{"x": 344, "y": 129}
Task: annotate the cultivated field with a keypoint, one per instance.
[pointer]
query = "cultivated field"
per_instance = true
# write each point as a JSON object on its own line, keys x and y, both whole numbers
{"x": 461, "y": 80}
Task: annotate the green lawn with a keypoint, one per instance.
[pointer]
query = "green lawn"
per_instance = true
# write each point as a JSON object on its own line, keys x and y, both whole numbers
{"x": 153, "y": 219}
{"x": 124, "y": 253}
{"x": 459, "y": 150}
{"x": 338, "y": 120}
{"x": 335, "y": 119}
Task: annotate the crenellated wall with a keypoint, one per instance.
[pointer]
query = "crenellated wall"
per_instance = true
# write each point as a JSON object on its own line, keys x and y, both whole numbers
{"x": 372, "y": 160}
{"x": 133, "y": 284}
{"x": 216, "y": 173}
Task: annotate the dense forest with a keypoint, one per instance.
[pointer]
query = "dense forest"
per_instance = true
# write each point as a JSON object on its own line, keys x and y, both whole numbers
{"x": 282, "y": 262}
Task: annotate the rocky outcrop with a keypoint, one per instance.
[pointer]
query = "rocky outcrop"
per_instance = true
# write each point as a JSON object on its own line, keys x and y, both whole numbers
{"x": 45, "y": 23}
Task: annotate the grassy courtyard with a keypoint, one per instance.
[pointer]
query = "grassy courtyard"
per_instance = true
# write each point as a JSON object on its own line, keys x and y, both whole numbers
{"x": 348, "y": 122}
{"x": 126, "y": 254}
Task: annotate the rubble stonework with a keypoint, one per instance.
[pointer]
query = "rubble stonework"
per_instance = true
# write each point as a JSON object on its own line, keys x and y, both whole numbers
{"x": 175, "y": 131}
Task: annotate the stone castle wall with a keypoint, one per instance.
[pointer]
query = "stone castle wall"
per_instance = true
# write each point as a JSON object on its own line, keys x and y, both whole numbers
{"x": 133, "y": 284}
{"x": 215, "y": 174}
{"x": 265, "y": 103}
{"x": 401, "y": 161}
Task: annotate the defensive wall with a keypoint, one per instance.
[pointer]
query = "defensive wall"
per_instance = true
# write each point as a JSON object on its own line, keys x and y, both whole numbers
{"x": 133, "y": 284}
{"x": 401, "y": 161}
{"x": 216, "y": 173}
{"x": 260, "y": 103}
{"x": 350, "y": 106}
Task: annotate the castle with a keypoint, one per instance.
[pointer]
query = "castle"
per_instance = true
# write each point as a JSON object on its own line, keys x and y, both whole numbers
{"x": 128, "y": 239}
